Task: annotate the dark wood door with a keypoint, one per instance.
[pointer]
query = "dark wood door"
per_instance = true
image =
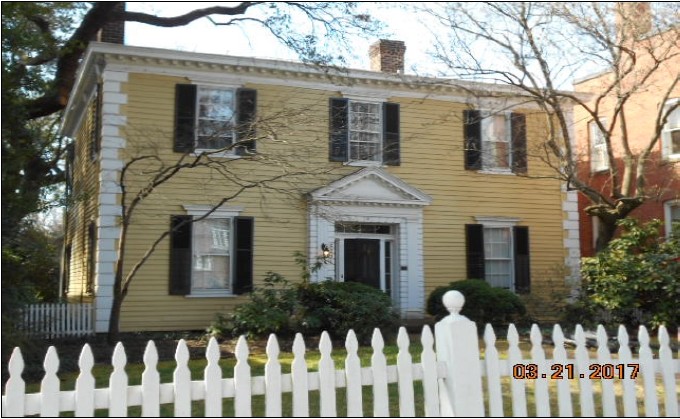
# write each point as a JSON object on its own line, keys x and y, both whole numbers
{"x": 362, "y": 261}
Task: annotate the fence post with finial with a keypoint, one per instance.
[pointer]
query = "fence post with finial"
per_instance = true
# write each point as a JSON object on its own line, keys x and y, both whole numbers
{"x": 458, "y": 349}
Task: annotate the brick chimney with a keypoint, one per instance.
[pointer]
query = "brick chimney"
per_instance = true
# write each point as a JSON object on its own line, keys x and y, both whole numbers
{"x": 387, "y": 56}
{"x": 633, "y": 19}
{"x": 114, "y": 32}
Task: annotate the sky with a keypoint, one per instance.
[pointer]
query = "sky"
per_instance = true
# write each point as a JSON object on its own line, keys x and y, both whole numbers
{"x": 203, "y": 36}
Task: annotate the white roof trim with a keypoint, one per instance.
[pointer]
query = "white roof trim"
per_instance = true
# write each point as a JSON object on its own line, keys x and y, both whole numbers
{"x": 397, "y": 192}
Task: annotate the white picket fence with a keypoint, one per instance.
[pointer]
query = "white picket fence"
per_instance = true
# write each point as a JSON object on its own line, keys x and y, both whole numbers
{"x": 58, "y": 320}
{"x": 451, "y": 378}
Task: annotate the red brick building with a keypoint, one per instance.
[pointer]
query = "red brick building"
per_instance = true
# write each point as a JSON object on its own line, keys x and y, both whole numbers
{"x": 650, "y": 92}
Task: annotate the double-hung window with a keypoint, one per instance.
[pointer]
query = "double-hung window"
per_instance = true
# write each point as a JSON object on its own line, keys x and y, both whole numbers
{"x": 498, "y": 252}
{"x": 599, "y": 159}
{"x": 671, "y": 215}
{"x": 495, "y": 142}
{"x": 670, "y": 135}
{"x": 214, "y": 119}
{"x": 211, "y": 256}
{"x": 364, "y": 132}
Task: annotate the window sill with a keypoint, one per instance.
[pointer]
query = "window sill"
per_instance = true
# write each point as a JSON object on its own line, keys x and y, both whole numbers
{"x": 496, "y": 172}
{"x": 672, "y": 158}
{"x": 364, "y": 163}
{"x": 211, "y": 294}
{"x": 223, "y": 155}
{"x": 598, "y": 171}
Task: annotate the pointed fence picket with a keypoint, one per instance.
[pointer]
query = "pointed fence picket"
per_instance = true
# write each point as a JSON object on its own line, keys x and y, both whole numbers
{"x": 438, "y": 397}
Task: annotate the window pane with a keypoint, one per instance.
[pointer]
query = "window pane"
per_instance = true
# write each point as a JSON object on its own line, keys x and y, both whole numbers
{"x": 675, "y": 213}
{"x": 211, "y": 254}
{"x": 675, "y": 142}
{"x": 215, "y": 123}
{"x": 498, "y": 257}
{"x": 495, "y": 142}
{"x": 365, "y": 128}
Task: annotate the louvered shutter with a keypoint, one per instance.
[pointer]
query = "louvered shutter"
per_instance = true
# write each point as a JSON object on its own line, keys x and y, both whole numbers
{"x": 245, "y": 129}
{"x": 338, "y": 143}
{"x": 243, "y": 260}
{"x": 472, "y": 133}
{"x": 185, "y": 117}
{"x": 391, "y": 147}
{"x": 474, "y": 244}
{"x": 519, "y": 142}
{"x": 180, "y": 254}
{"x": 522, "y": 265}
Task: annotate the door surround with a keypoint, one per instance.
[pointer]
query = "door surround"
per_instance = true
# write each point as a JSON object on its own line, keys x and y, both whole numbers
{"x": 373, "y": 196}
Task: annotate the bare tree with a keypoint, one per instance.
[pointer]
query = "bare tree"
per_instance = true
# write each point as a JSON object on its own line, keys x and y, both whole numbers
{"x": 539, "y": 48}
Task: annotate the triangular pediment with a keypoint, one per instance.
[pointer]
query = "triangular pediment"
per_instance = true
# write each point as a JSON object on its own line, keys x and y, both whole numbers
{"x": 371, "y": 186}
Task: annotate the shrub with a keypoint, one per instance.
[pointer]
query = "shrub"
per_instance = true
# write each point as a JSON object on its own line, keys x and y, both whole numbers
{"x": 337, "y": 307}
{"x": 283, "y": 308}
{"x": 483, "y": 303}
{"x": 270, "y": 310}
{"x": 636, "y": 279}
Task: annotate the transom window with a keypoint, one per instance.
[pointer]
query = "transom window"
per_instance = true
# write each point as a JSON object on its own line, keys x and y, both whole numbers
{"x": 498, "y": 256}
{"x": 496, "y": 143}
{"x": 215, "y": 118}
{"x": 211, "y": 259}
{"x": 365, "y": 131}
{"x": 363, "y": 228}
{"x": 598, "y": 147}
{"x": 670, "y": 135}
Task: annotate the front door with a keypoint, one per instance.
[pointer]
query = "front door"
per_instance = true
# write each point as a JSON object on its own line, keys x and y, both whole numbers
{"x": 362, "y": 261}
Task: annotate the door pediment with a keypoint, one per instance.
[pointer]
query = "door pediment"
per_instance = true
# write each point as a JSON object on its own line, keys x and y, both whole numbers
{"x": 371, "y": 186}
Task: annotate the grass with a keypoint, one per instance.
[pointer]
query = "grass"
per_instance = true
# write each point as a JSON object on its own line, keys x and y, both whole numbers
{"x": 257, "y": 363}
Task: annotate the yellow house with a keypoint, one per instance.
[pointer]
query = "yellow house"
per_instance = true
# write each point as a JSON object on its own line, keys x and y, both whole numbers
{"x": 401, "y": 182}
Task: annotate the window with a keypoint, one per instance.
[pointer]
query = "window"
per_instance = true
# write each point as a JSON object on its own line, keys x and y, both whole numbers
{"x": 214, "y": 118}
{"x": 363, "y": 132}
{"x": 671, "y": 215}
{"x": 670, "y": 135}
{"x": 498, "y": 256}
{"x": 599, "y": 160}
{"x": 211, "y": 118}
{"x": 498, "y": 252}
{"x": 495, "y": 141}
{"x": 211, "y": 256}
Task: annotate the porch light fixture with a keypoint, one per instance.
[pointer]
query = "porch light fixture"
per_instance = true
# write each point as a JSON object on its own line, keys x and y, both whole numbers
{"x": 325, "y": 251}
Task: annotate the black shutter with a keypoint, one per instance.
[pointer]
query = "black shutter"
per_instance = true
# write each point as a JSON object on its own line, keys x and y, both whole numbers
{"x": 518, "y": 123}
{"x": 473, "y": 139}
{"x": 245, "y": 129}
{"x": 180, "y": 254}
{"x": 243, "y": 269}
{"x": 522, "y": 267}
{"x": 338, "y": 143}
{"x": 474, "y": 244}
{"x": 391, "y": 134}
{"x": 185, "y": 117}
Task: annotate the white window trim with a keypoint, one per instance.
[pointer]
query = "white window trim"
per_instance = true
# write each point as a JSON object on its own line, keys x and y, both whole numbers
{"x": 485, "y": 113}
{"x": 605, "y": 164}
{"x": 667, "y": 215}
{"x": 222, "y": 212}
{"x": 666, "y": 140}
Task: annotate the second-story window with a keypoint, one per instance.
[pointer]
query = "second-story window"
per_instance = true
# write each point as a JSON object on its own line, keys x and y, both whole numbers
{"x": 599, "y": 160}
{"x": 495, "y": 141}
{"x": 215, "y": 113}
{"x": 364, "y": 132}
{"x": 214, "y": 119}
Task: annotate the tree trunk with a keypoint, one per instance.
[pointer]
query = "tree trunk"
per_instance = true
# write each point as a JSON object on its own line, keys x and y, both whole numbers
{"x": 114, "y": 321}
{"x": 605, "y": 233}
